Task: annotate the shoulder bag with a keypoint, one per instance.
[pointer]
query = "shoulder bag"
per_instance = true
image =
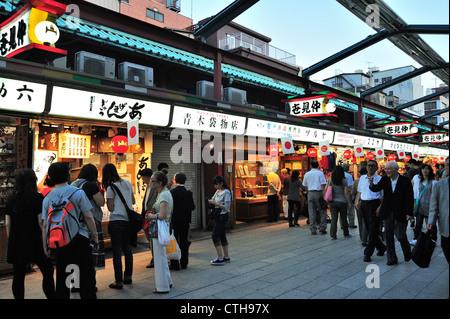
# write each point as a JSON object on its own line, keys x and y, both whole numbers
{"x": 329, "y": 192}
{"x": 416, "y": 203}
{"x": 134, "y": 218}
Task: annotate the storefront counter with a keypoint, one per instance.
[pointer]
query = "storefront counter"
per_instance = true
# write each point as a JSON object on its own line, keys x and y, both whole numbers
{"x": 251, "y": 208}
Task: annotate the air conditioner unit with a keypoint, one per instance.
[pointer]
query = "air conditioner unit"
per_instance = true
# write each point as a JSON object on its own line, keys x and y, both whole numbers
{"x": 91, "y": 63}
{"x": 256, "y": 106}
{"x": 235, "y": 96}
{"x": 206, "y": 89}
{"x": 136, "y": 73}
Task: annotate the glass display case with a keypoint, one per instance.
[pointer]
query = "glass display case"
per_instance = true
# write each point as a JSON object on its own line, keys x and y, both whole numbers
{"x": 250, "y": 189}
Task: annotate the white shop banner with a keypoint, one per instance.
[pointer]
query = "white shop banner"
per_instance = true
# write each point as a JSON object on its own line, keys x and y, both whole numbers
{"x": 353, "y": 139}
{"x": 98, "y": 106}
{"x": 270, "y": 129}
{"x": 22, "y": 96}
{"x": 395, "y": 146}
{"x": 204, "y": 120}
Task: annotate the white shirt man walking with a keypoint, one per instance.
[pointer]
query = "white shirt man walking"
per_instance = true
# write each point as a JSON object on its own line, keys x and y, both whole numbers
{"x": 315, "y": 182}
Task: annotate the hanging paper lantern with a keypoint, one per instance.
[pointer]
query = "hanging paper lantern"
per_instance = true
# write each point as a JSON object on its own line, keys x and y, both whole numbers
{"x": 407, "y": 158}
{"x": 391, "y": 157}
{"x": 348, "y": 154}
{"x": 370, "y": 156}
{"x": 119, "y": 144}
{"x": 435, "y": 160}
{"x": 312, "y": 152}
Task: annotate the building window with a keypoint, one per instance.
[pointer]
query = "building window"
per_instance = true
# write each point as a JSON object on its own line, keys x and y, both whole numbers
{"x": 155, "y": 15}
{"x": 430, "y": 106}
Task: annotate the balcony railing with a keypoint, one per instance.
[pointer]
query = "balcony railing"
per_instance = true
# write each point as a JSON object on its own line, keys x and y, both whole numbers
{"x": 243, "y": 40}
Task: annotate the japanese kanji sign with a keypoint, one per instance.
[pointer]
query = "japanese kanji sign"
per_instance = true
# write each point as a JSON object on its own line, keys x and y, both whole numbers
{"x": 24, "y": 31}
{"x": 203, "y": 120}
{"x": 400, "y": 129}
{"x": 435, "y": 138}
{"x": 395, "y": 146}
{"x": 22, "y": 96}
{"x": 92, "y": 105}
{"x": 312, "y": 105}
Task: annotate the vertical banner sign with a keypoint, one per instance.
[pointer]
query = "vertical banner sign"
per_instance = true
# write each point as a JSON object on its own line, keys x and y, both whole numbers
{"x": 133, "y": 132}
{"x": 379, "y": 152}
{"x": 401, "y": 154}
{"x": 324, "y": 148}
{"x": 288, "y": 145}
{"x": 359, "y": 151}
{"x": 415, "y": 156}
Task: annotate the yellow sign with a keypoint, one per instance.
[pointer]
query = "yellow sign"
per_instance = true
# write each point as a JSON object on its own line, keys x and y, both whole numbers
{"x": 74, "y": 145}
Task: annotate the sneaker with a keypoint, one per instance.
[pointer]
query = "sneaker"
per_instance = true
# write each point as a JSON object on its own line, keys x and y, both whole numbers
{"x": 333, "y": 238}
{"x": 349, "y": 235}
{"x": 413, "y": 242}
{"x": 227, "y": 259}
{"x": 217, "y": 262}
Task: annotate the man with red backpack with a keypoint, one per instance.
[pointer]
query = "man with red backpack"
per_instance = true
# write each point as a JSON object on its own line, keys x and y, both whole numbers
{"x": 68, "y": 230}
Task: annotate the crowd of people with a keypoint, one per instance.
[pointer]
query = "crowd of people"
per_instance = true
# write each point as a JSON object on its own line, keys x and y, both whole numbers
{"x": 382, "y": 197}
{"x": 38, "y": 235}
{"x": 376, "y": 197}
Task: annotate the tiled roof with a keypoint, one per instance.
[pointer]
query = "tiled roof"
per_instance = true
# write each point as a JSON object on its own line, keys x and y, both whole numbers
{"x": 164, "y": 52}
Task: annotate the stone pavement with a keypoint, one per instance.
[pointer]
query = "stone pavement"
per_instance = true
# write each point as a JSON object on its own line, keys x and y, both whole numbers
{"x": 273, "y": 261}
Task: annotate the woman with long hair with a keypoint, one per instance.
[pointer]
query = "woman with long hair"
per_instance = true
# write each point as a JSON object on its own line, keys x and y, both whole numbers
{"x": 338, "y": 205}
{"x": 162, "y": 210}
{"x": 222, "y": 201}
{"x": 88, "y": 182}
{"x": 119, "y": 227}
{"x": 23, "y": 220}
{"x": 293, "y": 198}
{"x": 424, "y": 187}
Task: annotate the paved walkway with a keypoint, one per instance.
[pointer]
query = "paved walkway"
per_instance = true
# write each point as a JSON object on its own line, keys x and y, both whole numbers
{"x": 273, "y": 261}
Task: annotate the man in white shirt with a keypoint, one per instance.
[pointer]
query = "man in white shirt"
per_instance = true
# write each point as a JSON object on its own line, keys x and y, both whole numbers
{"x": 315, "y": 182}
{"x": 369, "y": 203}
{"x": 350, "y": 207}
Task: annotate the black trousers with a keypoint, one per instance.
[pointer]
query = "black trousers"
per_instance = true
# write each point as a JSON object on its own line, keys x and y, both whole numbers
{"x": 398, "y": 228}
{"x": 291, "y": 204}
{"x": 181, "y": 232}
{"x": 372, "y": 224}
{"x": 48, "y": 283}
{"x": 75, "y": 261}
{"x": 272, "y": 202}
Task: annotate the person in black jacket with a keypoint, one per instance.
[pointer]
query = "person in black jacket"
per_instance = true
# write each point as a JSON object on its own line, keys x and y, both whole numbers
{"x": 23, "y": 216}
{"x": 183, "y": 205}
{"x": 396, "y": 209}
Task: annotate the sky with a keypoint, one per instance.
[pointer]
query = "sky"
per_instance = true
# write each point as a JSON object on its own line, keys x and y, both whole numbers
{"x": 316, "y": 29}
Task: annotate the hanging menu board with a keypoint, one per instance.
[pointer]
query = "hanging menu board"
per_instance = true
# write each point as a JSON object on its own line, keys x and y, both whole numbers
{"x": 74, "y": 145}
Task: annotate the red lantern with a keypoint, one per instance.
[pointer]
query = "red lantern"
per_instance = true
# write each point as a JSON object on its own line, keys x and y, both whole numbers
{"x": 435, "y": 160}
{"x": 312, "y": 152}
{"x": 391, "y": 157}
{"x": 273, "y": 150}
{"x": 407, "y": 158}
{"x": 119, "y": 144}
{"x": 348, "y": 154}
{"x": 370, "y": 156}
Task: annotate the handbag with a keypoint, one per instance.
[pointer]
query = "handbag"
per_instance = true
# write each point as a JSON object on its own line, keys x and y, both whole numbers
{"x": 173, "y": 251}
{"x": 135, "y": 219}
{"x": 163, "y": 233}
{"x": 214, "y": 213}
{"x": 329, "y": 194}
{"x": 424, "y": 248}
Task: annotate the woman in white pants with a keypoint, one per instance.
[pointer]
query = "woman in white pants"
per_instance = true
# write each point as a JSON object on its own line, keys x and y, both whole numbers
{"x": 162, "y": 210}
